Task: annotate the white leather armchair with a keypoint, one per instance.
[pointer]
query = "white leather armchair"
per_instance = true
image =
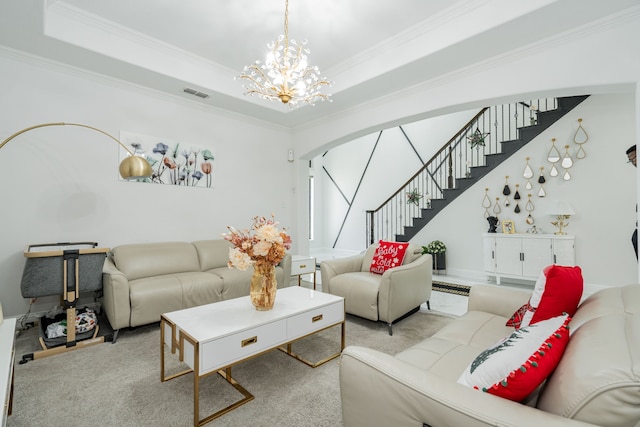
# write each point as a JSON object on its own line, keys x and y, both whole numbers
{"x": 385, "y": 297}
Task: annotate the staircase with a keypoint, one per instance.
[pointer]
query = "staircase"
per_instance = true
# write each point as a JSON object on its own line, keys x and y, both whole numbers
{"x": 499, "y": 131}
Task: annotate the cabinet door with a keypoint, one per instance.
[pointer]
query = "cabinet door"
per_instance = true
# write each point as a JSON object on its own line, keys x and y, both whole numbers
{"x": 490, "y": 254}
{"x": 537, "y": 256}
{"x": 508, "y": 255}
{"x": 563, "y": 252}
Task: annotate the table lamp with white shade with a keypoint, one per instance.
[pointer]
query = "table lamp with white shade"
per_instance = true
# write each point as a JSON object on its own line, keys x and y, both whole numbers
{"x": 562, "y": 211}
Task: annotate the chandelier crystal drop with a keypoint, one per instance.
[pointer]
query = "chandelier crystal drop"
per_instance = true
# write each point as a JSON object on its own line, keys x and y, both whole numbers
{"x": 285, "y": 74}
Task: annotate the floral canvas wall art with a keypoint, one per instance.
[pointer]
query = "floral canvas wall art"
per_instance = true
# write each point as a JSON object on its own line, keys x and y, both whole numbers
{"x": 173, "y": 162}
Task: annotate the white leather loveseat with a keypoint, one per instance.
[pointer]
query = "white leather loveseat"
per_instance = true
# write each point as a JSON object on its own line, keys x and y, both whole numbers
{"x": 142, "y": 281}
{"x": 596, "y": 383}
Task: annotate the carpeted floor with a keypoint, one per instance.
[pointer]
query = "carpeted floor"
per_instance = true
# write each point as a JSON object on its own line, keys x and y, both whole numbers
{"x": 119, "y": 384}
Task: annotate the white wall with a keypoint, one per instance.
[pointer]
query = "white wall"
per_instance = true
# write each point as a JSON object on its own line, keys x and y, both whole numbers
{"x": 378, "y": 173}
{"x": 602, "y": 190}
{"x": 61, "y": 184}
{"x": 49, "y": 194}
{"x": 600, "y": 59}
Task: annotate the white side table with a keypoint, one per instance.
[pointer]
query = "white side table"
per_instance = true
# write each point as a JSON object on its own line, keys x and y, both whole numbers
{"x": 302, "y": 264}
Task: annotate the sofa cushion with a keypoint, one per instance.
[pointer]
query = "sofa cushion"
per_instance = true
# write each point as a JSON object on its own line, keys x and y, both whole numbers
{"x": 558, "y": 290}
{"x": 598, "y": 378}
{"x": 451, "y": 349}
{"x": 200, "y": 288}
{"x": 516, "y": 365}
{"x": 235, "y": 283}
{"x": 140, "y": 260}
{"x": 212, "y": 253}
{"x": 387, "y": 255}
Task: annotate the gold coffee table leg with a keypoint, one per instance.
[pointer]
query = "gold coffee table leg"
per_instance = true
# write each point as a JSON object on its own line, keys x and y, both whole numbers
{"x": 163, "y": 324}
{"x": 247, "y": 397}
{"x": 290, "y": 352}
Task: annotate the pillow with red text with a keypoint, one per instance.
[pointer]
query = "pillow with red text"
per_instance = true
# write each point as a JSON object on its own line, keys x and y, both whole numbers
{"x": 515, "y": 366}
{"x": 388, "y": 255}
{"x": 558, "y": 290}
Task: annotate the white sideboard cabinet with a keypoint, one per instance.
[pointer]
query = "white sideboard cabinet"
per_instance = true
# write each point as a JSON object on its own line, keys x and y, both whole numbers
{"x": 524, "y": 256}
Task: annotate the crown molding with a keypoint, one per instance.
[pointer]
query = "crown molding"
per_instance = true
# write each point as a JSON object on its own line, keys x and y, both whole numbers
{"x": 75, "y": 16}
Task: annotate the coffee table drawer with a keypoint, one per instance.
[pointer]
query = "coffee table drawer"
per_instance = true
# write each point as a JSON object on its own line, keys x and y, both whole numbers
{"x": 227, "y": 350}
{"x": 314, "y": 320}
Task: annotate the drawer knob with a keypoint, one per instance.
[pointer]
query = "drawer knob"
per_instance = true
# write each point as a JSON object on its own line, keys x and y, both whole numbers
{"x": 249, "y": 341}
{"x": 303, "y": 265}
{"x": 316, "y": 318}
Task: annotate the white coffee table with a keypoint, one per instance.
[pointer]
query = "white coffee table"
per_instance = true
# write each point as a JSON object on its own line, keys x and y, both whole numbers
{"x": 212, "y": 338}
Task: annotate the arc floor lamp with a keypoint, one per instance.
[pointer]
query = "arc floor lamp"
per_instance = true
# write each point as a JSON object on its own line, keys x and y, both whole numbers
{"x": 132, "y": 167}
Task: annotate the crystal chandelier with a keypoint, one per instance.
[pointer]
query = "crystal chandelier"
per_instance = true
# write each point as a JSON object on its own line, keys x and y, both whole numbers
{"x": 285, "y": 74}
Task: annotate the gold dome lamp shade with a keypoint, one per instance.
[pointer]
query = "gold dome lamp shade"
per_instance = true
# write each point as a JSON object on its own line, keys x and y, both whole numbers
{"x": 133, "y": 167}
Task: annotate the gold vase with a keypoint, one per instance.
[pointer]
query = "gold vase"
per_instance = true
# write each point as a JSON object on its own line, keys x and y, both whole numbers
{"x": 263, "y": 286}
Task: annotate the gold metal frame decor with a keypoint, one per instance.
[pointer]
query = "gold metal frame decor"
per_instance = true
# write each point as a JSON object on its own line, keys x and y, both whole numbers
{"x": 508, "y": 227}
{"x": 527, "y": 174}
{"x": 566, "y": 163}
{"x": 486, "y": 203}
{"x": 529, "y": 207}
{"x": 173, "y": 162}
{"x": 131, "y": 167}
{"x": 580, "y": 138}
{"x": 553, "y": 157}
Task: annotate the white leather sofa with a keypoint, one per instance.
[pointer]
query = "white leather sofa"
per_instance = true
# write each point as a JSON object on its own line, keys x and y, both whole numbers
{"x": 386, "y": 297}
{"x": 597, "y": 381}
{"x": 142, "y": 281}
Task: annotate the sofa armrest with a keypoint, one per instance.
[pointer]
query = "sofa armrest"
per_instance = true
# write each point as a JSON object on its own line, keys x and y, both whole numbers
{"x": 497, "y": 299}
{"x": 333, "y": 267}
{"x": 379, "y": 390}
{"x": 115, "y": 295}
{"x": 404, "y": 288}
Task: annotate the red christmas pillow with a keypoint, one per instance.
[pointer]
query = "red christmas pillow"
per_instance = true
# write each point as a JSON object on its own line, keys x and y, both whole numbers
{"x": 388, "y": 255}
{"x": 515, "y": 366}
{"x": 558, "y": 290}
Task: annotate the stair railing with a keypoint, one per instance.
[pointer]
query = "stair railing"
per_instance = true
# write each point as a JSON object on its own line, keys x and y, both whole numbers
{"x": 482, "y": 135}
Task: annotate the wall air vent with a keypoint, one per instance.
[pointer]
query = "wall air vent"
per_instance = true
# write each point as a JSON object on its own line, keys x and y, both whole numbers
{"x": 195, "y": 93}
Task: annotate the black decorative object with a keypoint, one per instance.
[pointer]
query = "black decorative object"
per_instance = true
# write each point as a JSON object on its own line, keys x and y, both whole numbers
{"x": 439, "y": 261}
{"x": 506, "y": 191}
{"x": 437, "y": 250}
{"x": 493, "y": 223}
{"x": 541, "y": 180}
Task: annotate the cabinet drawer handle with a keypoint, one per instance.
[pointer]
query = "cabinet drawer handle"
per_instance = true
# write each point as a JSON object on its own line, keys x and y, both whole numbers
{"x": 249, "y": 341}
{"x": 303, "y": 265}
{"x": 316, "y": 318}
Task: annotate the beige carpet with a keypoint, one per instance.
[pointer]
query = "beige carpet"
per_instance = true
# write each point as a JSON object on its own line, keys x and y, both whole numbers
{"x": 119, "y": 384}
